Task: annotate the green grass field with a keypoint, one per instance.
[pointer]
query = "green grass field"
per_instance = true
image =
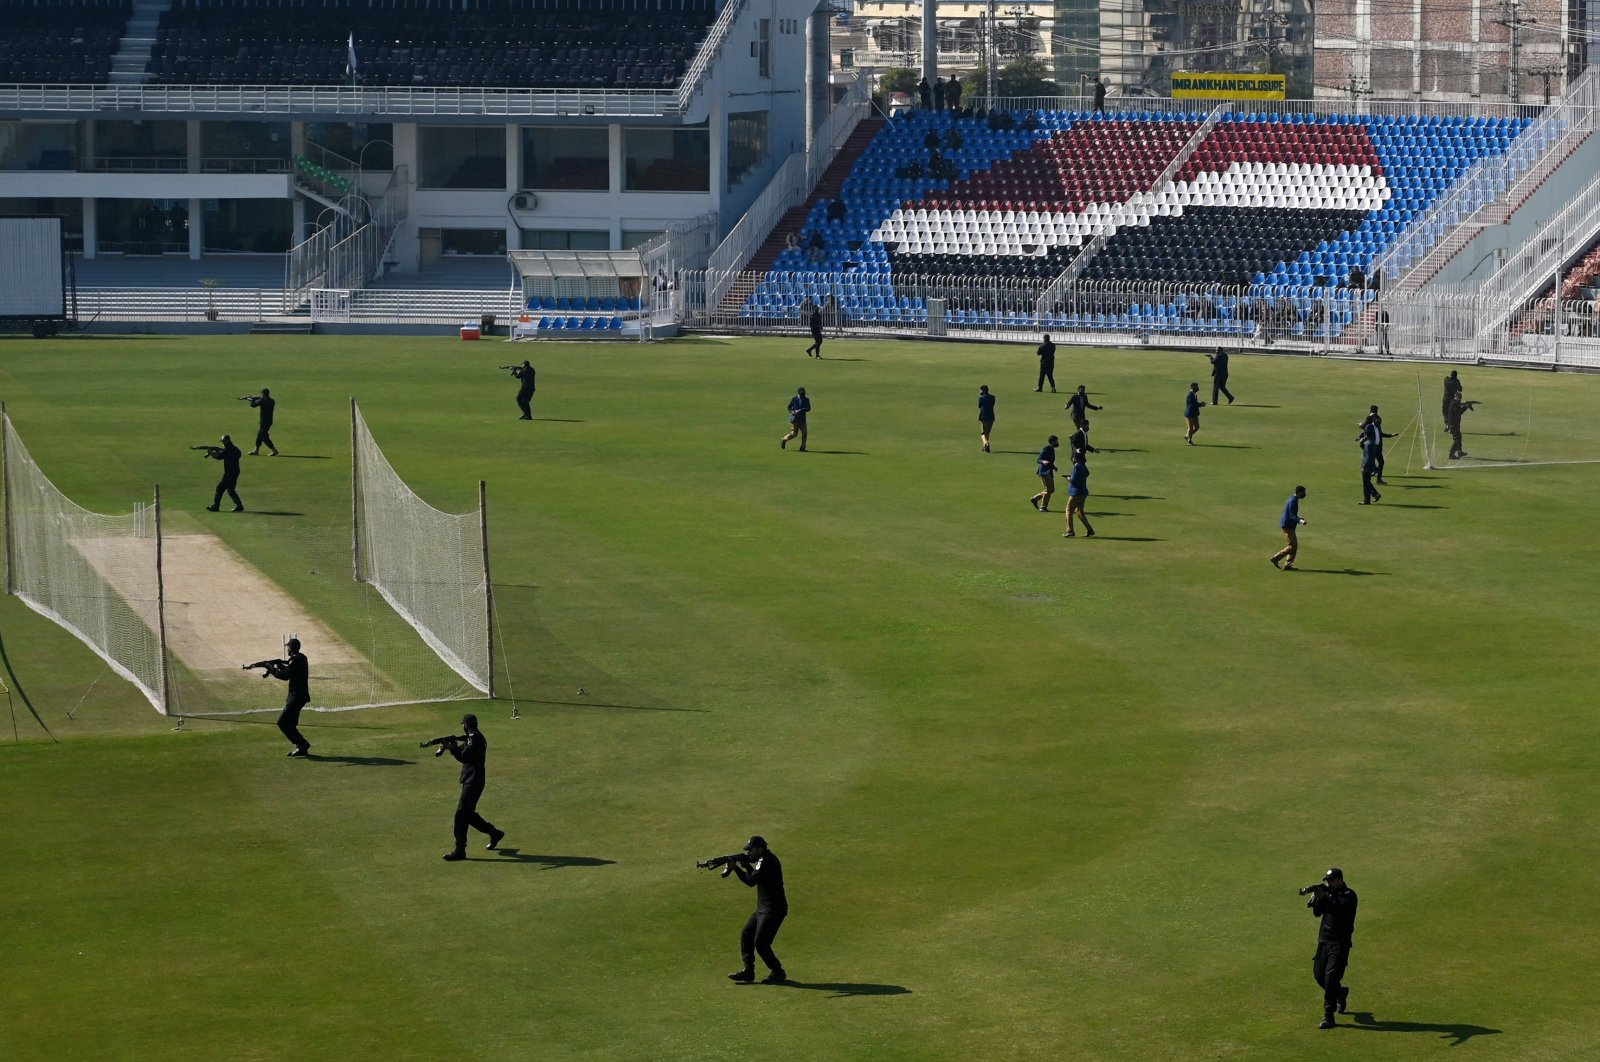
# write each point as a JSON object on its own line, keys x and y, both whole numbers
{"x": 1035, "y": 797}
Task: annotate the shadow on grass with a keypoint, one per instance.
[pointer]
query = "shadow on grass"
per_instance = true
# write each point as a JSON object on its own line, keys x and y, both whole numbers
{"x": 1251, "y": 405}
{"x": 1419, "y": 486}
{"x": 270, "y": 512}
{"x": 16, "y": 684}
{"x": 1410, "y": 505}
{"x": 361, "y": 761}
{"x": 603, "y": 704}
{"x": 559, "y": 420}
{"x": 549, "y": 862}
{"x": 854, "y": 453}
{"x": 1131, "y": 497}
{"x": 1337, "y": 571}
{"x": 1457, "y": 1034}
{"x": 843, "y": 359}
{"x": 306, "y": 457}
{"x": 1126, "y": 538}
{"x": 1226, "y": 446}
{"x": 1097, "y": 515}
{"x": 1122, "y": 450}
{"x": 844, "y": 989}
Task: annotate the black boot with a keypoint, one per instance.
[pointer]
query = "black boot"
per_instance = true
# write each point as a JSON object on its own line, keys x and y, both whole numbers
{"x": 744, "y": 976}
{"x": 1327, "y": 1018}
{"x": 1344, "y": 997}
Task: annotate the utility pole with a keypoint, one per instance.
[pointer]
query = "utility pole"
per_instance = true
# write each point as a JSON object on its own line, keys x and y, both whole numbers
{"x": 1513, "y": 22}
{"x": 989, "y": 57}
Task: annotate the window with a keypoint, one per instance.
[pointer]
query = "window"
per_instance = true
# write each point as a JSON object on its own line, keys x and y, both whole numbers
{"x": 762, "y": 48}
{"x": 143, "y": 226}
{"x": 258, "y": 226}
{"x": 38, "y": 146}
{"x": 747, "y": 144}
{"x": 566, "y": 240}
{"x": 473, "y": 241}
{"x": 244, "y": 147}
{"x": 566, "y": 158}
{"x": 141, "y": 146}
{"x": 70, "y": 210}
{"x": 667, "y": 160}
{"x": 368, "y": 144}
{"x": 461, "y": 156}
{"x": 632, "y": 238}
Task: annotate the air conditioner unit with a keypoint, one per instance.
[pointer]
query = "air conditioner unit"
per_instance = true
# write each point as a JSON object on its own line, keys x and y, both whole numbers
{"x": 525, "y": 201}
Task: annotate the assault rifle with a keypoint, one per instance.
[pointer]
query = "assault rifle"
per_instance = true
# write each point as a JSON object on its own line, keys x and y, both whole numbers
{"x": 210, "y": 451}
{"x": 449, "y": 741}
{"x": 726, "y": 862}
{"x": 267, "y": 666}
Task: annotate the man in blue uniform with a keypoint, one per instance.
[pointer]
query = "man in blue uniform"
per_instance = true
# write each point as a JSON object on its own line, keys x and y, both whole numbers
{"x": 1191, "y": 412}
{"x": 799, "y": 408}
{"x": 1077, "y": 495}
{"x": 1335, "y": 903}
{"x": 1290, "y": 524}
{"x": 1046, "y": 471}
{"x": 761, "y": 871}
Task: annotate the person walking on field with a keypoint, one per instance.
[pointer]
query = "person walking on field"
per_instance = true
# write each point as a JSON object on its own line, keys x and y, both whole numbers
{"x": 1219, "y": 375}
{"x": 1191, "y": 412}
{"x": 1047, "y": 475}
{"x": 1047, "y": 365}
{"x": 264, "y": 404}
{"x": 296, "y": 671}
{"x": 527, "y": 383}
{"x": 229, "y": 455}
{"x": 1077, "y": 494}
{"x": 1290, "y": 523}
{"x": 1078, "y": 407}
{"x": 814, "y": 322}
{"x": 985, "y": 415}
{"x": 799, "y": 407}
{"x": 472, "y": 754}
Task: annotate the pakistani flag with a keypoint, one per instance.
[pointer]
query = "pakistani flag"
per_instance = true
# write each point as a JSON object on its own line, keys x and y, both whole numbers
{"x": 350, "y": 62}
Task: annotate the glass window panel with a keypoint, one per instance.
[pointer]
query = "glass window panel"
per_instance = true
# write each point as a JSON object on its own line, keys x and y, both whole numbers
{"x": 566, "y": 158}
{"x": 38, "y": 145}
{"x": 747, "y": 144}
{"x": 461, "y": 156}
{"x": 667, "y": 160}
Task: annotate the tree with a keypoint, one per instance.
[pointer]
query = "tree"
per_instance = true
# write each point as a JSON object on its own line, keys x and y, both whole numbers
{"x": 898, "y": 79}
{"x": 1027, "y": 76}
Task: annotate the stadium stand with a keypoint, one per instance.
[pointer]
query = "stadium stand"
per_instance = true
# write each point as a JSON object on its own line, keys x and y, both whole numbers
{"x": 1280, "y": 208}
{"x": 609, "y": 44}
{"x": 68, "y": 42}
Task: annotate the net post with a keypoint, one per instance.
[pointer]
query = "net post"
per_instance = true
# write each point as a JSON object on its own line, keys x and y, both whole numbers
{"x": 161, "y": 616}
{"x": 355, "y": 495}
{"x": 1422, "y": 427}
{"x": 488, "y": 584}
{"x": 5, "y": 474}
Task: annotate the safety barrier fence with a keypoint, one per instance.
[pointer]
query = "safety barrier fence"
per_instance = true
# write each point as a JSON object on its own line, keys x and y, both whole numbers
{"x": 1312, "y": 320}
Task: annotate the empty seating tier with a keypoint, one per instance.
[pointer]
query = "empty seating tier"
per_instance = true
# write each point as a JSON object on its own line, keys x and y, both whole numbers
{"x": 62, "y": 42}
{"x": 1282, "y": 207}
{"x": 599, "y": 44}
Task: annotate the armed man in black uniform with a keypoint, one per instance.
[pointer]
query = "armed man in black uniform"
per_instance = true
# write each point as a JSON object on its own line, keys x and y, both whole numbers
{"x": 264, "y": 404}
{"x": 1335, "y": 903}
{"x": 296, "y": 671}
{"x": 229, "y": 455}
{"x": 761, "y": 870}
{"x": 471, "y": 751}
{"x": 525, "y": 374}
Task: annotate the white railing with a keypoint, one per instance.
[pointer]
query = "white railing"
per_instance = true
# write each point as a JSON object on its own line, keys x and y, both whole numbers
{"x": 414, "y": 306}
{"x": 347, "y": 252}
{"x": 338, "y": 99}
{"x": 709, "y": 50}
{"x": 682, "y": 245}
{"x": 792, "y": 184}
{"x": 1474, "y": 198}
{"x": 1538, "y": 262}
{"x": 1317, "y": 107}
{"x": 1415, "y": 325}
{"x": 180, "y": 304}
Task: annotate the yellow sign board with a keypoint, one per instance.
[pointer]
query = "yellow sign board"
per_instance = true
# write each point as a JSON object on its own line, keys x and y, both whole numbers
{"x": 1224, "y": 86}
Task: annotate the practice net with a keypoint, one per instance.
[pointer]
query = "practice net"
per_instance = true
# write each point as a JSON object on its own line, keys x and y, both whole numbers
{"x": 428, "y": 564}
{"x": 92, "y": 573}
{"x": 1509, "y": 418}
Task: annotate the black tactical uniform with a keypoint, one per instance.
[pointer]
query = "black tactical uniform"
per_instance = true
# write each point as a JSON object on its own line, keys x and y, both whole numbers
{"x": 525, "y": 373}
{"x": 1047, "y": 365}
{"x": 296, "y": 671}
{"x": 471, "y": 753}
{"x": 1337, "y": 909}
{"x": 229, "y": 455}
{"x": 765, "y": 875}
{"x": 265, "y": 404}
